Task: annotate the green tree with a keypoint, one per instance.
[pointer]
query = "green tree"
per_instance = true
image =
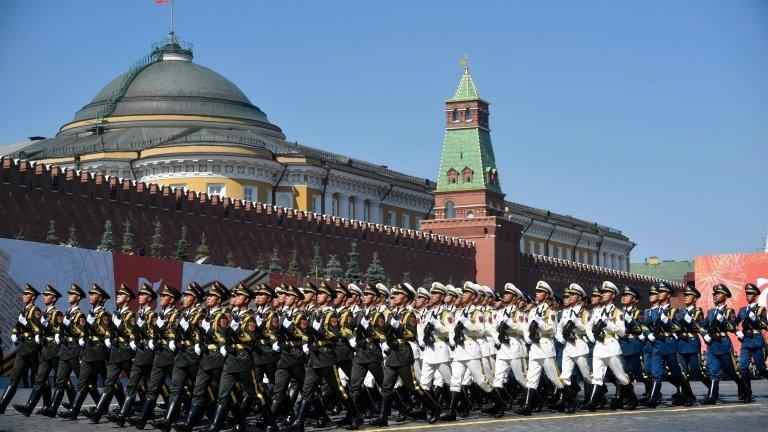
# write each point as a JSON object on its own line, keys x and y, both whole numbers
{"x": 72, "y": 241}
{"x": 230, "y": 260}
{"x": 156, "y": 245}
{"x": 427, "y": 282}
{"x": 293, "y": 265}
{"x": 107, "y": 240}
{"x": 317, "y": 261}
{"x": 52, "y": 237}
{"x": 274, "y": 262}
{"x": 182, "y": 247}
{"x": 260, "y": 263}
{"x": 127, "y": 244}
{"x": 202, "y": 249}
{"x": 375, "y": 272}
{"x": 333, "y": 268}
{"x": 353, "y": 272}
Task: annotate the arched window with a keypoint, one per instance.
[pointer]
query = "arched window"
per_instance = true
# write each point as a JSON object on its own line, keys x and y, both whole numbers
{"x": 470, "y": 214}
{"x": 468, "y": 114}
{"x": 467, "y": 173}
{"x": 450, "y": 210}
{"x": 453, "y": 175}
{"x": 455, "y": 115}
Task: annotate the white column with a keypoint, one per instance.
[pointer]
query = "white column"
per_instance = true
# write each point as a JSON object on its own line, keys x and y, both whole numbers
{"x": 359, "y": 212}
{"x": 343, "y": 205}
{"x": 328, "y": 202}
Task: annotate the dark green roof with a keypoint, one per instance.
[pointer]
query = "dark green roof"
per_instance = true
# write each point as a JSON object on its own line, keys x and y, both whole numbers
{"x": 667, "y": 270}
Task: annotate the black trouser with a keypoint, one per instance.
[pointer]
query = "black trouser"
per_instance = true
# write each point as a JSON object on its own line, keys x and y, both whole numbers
{"x": 268, "y": 369}
{"x": 43, "y": 370}
{"x": 283, "y": 379}
{"x": 138, "y": 373}
{"x": 247, "y": 380}
{"x": 359, "y": 371}
{"x": 330, "y": 374}
{"x": 113, "y": 372}
{"x": 89, "y": 373}
{"x": 405, "y": 373}
{"x": 157, "y": 379}
{"x": 23, "y": 365}
{"x": 180, "y": 376}
{"x": 203, "y": 381}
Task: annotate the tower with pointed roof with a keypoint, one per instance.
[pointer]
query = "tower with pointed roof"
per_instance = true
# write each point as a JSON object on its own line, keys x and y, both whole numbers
{"x": 468, "y": 181}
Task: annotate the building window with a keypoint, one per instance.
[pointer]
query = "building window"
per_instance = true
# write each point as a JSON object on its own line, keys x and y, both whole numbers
{"x": 531, "y": 246}
{"x": 406, "y": 221}
{"x": 470, "y": 214}
{"x": 455, "y": 115}
{"x": 216, "y": 168}
{"x": 177, "y": 169}
{"x": 203, "y": 168}
{"x": 335, "y": 205}
{"x": 467, "y": 173}
{"x": 215, "y": 189}
{"x": 450, "y": 210}
{"x": 541, "y": 249}
{"x": 284, "y": 199}
{"x": 453, "y": 175}
{"x": 249, "y": 193}
{"x": 190, "y": 168}
{"x": 317, "y": 203}
{"x": 417, "y": 222}
{"x": 351, "y": 208}
{"x": 468, "y": 114}
{"x": 367, "y": 211}
{"x": 391, "y": 218}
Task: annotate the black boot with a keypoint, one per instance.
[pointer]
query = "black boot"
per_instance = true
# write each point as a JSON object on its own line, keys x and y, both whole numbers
{"x": 531, "y": 398}
{"x": 269, "y": 418}
{"x": 101, "y": 407}
{"x": 618, "y": 401}
{"x": 147, "y": 410}
{"x": 218, "y": 419}
{"x": 193, "y": 415}
{"x": 431, "y": 407}
{"x": 27, "y": 408}
{"x": 688, "y": 398}
{"x": 301, "y": 416}
{"x": 75, "y": 410}
{"x": 569, "y": 401}
{"x": 352, "y": 412}
{"x": 451, "y": 414}
{"x": 630, "y": 399}
{"x": 595, "y": 397}
{"x": 713, "y": 394}
{"x": 165, "y": 424}
{"x": 125, "y": 410}
{"x": 745, "y": 389}
{"x": 386, "y": 407}
{"x": 8, "y": 396}
{"x": 655, "y": 397}
{"x": 50, "y": 411}
{"x": 498, "y": 403}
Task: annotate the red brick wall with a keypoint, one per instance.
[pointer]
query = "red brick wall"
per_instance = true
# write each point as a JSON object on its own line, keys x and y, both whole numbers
{"x": 32, "y": 195}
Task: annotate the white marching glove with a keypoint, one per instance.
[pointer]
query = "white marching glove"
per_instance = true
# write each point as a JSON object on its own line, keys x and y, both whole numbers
{"x": 560, "y": 338}
{"x": 152, "y": 345}
{"x": 651, "y": 337}
{"x": 172, "y": 345}
{"x": 287, "y": 323}
{"x": 353, "y": 343}
{"x": 37, "y": 339}
{"x": 627, "y": 317}
{"x": 205, "y": 325}
{"x": 688, "y": 318}
{"x": 90, "y": 319}
{"x": 527, "y": 339}
{"x": 305, "y": 348}
{"x": 108, "y": 343}
{"x": 81, "y": 342}
{"x": 66, "y": 321}
{"x": 14, "y": 339}
{"x": 115, "y": 320}
{"x": 740, "y": 334}
{"x": 22, "y": 319}
{"x": 641, "y": 337}
{"x": 259, "y": 320}
{"x": 752, "y": 316}
{"x": 364, "y": 322}
{"x": 316, "y": 325}
{"x": 707, "y": 338}
{"x": 276, "y": 346}
{"x": 184, "y": 324}
{"x": 664, "y": 318}
{"x": 140, "y": 322}
{"x": 394, "y": 323}
{"x": 43, "y": 322}
{"x": 720, "y": 317}
{"x": 57, "y": 339}
{"x": 133, "y": 345}
{"x": 223, "y": 351}
{"x": 385, "y": 347}
{"x": 234, "y": 325}
{"x": 198, "y": 350}
{"x": 160, "y": 322}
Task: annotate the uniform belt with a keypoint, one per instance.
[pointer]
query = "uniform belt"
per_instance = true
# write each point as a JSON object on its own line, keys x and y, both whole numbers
{"x": 95, "y": 339}
{"x": 720, "y": 334}
{"x": 50, "y": 338}
{"x": 239, "y": 346}
{"x": 70, "y": 339}
{"x": 293, "y": 343}
{"x": 323, "y": 343}
{"x": 689, "y": 334}
{"x": 665, "y": 334}
{"x": 26, "y": 335}
{"x": 753, "y": 331}
{"x": 212, "y": 347}
{"x": 123, "y": 340}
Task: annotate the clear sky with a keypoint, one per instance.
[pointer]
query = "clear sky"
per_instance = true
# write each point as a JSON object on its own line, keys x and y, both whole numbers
{"x": 650, "y": 117}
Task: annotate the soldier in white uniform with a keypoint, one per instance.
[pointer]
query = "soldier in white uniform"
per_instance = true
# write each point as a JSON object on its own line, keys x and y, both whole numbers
{"x": 542, "y": 322}
{"x": 511, "y": 350}
{"x": 466, "y": 328}
{"x": 571, "y": 332}
{"x": 433, "y": 339}
{"x": 605, "y": 327}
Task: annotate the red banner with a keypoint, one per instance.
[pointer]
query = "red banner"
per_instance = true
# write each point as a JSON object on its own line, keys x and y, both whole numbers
{"x": 134, "y": 270}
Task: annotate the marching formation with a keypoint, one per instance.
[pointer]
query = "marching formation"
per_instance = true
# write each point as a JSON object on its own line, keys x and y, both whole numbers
{"x": 291, "y": 355}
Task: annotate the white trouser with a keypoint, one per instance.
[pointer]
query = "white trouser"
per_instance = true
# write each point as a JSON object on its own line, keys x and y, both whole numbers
{"x": 475, "y": 369}
{"x": 568, "y": 365}
{"x": 343, "y": 378}
{"x": 417, "y": 368}
{"x": 487, "y": 369}
{"x": 601, "y": 365}
{"x": 549, "y": 364}
{"x": 502, "y": 371}
{"x": 438, "y": 374}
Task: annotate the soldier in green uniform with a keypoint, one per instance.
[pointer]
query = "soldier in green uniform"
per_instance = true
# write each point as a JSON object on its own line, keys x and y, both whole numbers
{"x": 122, "y": 348}
{"x": 241, "y": 335}
{"x": 142, "y": 360}
{"x": 26, "y": 334}
{"x": 266, "y": 348}
{"x": 70, "y": 332}
{"x": 186, "y": 362}
{"x": 401, "y": 330}
{"x": 322, "y": 334}
{"x": 211, "y": 336}
{"x": 292, "y": 334}
{"x": 164, "y": 332}
{"x": 95, "y": 351}
{"x": 49, "y": 358}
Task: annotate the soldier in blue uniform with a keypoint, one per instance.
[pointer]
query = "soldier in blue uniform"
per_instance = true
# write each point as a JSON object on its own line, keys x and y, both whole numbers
{"x": 689, "y": 320}
{"x": 631, "y": 346}
{"x": 653, "y": 296}
{"x": 719, "y": 322}
{"x": 662, "y": 330}
{"x": 752, "y": 319}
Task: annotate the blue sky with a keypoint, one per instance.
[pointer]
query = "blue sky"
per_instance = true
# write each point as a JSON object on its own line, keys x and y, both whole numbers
{"x": 650, "y": 117}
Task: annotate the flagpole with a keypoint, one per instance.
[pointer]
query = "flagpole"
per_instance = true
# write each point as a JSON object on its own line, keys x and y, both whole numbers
{"x": 171, "y": 2}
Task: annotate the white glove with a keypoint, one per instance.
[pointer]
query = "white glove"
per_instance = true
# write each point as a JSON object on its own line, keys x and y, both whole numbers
{"x": 184, "y": 324}
{"x": 90, "y": 319}
{"x": 133, "y": 345}
{"x": 651, "y": 337}
{"x": 496, "y": 340}
{"x": 15, "y": 338}
{"x": 287, "y": 323}
{"x": 664, "y": 318}
{"x": 688, "y": 318}
{"x": 275, "y": 346}
{"x": 140, "y": 322}
{"x": 198, "y": 350}
{"x": 707, "y": 338}
{"x": 527, "y": 339}
{"x": 559, "y": 338}
{"x": 37, "y": 339}
{"x": 353, "y": 343}
{"x": 316, "y": 325}
{"x": 364, "y": 322}
{"x": 172, "y": 345}
{"x": 205, "y": 325}
{"x": 641, "y": 337}
{"x": 22, "y": 320}
{"x": 752, "y": 316}
{"x": 259, "y": 320}
{"x": 57, "y": 338}
{"x": 305, "y": 348}
{"x": 606, "y": 318}
{"x": 152, "y": 345}
{"x": 385, "y": 347}
{"x": 720, "y": 317}
{"x": 43, "y": 322}
{"x": 234, "y": 325}
{"x": 66, "y": 321}
{"x": 223, "y": 351}
{"x": 108, "y": 343}
{"x": 394, "y": 323}
{"x": 627, "y": 317}
{"x": 160, "y": 322}
{"x": 740, "y": 334}
{"x": 116, "y": 320}
{"x": 81, "y": 342}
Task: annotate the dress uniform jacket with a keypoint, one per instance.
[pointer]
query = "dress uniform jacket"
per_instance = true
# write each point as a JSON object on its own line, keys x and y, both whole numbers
{"x": 438, "y": 352}
{"x": 578, "y": 346}
{"x": 123, "y": 333}
{"x": 647, "y": 342}
{"x": 688, "y": 332}
{"x": 613, "y": 330}
{"x": 752, "y": 328}
{"x": 98, "y": 329}
{"x": 322, "y": 341}
{"x": 72, "y": 329}
{"x": 470, "y": 349}
{"x": 718, "y": 331}
{"x": 187, "y": 338}
{"x": 216, "y": 336}
{"x": 145, "y": 329}
{"x": 399, "y": 339}
{"x": 240, "y": 341}
{"x": 291, "y": 338}
{"x": 343, "y": 349}
{"x": 516, "y": 322}
{"x": 633, "y": 325}
{"x": 163, "y": 335}
{"x": 369, "y": 339}
{"x": 26, "y": 332}
{"x": 268, "y": 328}
{"x": 548, "y": 322}
{"x": 48, "y": 332}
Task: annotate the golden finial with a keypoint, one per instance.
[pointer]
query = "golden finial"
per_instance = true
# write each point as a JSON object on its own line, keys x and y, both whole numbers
{"x": 465, "y": 63}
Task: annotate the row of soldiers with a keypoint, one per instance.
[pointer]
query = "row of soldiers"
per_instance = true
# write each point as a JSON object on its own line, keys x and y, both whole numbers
{"x": 290, "y": 354}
